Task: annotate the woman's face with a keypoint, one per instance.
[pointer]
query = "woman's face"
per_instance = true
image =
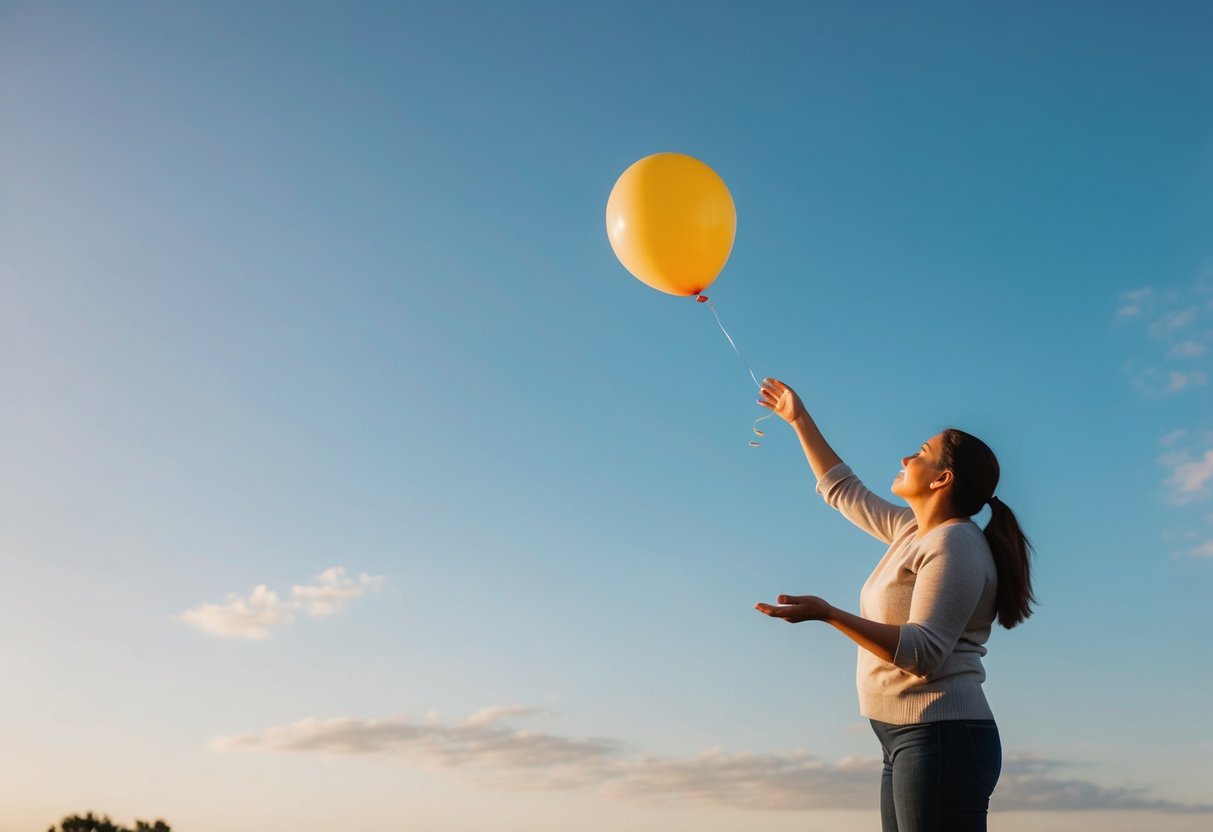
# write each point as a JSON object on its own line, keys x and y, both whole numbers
{"x": 919, "y": 470}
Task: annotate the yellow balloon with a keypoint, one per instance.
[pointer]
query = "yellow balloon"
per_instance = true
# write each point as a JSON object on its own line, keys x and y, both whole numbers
{"x": 671, "y": 222}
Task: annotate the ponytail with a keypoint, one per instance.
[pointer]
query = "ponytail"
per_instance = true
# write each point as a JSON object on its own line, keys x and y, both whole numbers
{"x": 1012, "y": 555}
{"x": 975, "y": 475}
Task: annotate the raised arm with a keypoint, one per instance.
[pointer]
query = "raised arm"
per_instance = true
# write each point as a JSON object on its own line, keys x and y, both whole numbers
{"x": 782, "y": 399}
{"x": 835, "y": 481}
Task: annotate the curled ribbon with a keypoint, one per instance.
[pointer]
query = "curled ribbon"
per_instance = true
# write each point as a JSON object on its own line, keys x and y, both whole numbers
{"x": 733, "y": 344}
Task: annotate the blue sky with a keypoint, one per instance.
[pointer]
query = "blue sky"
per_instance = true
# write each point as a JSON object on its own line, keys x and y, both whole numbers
{"x": 318, "y": 298}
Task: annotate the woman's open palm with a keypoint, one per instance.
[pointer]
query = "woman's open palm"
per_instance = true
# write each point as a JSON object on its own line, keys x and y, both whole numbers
{"x": 796, "y": 608}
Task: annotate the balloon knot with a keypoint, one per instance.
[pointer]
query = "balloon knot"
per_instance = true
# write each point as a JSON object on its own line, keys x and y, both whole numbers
{"x": 701, "y": 298}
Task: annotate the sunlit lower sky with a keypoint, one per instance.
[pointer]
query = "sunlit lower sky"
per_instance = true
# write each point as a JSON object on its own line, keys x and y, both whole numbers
{"x": 349, "y": 479}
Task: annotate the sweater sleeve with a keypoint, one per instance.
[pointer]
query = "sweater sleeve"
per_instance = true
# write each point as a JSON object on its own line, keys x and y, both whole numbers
{"x": 947, "y": 589}
{"x": 842, "y": 490}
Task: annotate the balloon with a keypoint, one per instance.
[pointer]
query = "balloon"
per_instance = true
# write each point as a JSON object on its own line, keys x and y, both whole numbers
{"x": 671, "y": 222}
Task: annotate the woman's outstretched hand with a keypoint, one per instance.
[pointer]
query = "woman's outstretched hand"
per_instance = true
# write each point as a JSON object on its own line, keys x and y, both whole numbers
{"x": 777, "y": 396}
{"x": 796, "y": 608}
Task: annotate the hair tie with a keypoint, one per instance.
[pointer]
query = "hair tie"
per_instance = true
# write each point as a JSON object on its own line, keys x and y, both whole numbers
{"x": 992, "y": 501}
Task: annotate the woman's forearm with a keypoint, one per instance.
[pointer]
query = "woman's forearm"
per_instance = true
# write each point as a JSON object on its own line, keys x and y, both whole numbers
{"x": 878, "y": 639}
{"x": 782, "y": 399}
{"x": 817, "y": 451}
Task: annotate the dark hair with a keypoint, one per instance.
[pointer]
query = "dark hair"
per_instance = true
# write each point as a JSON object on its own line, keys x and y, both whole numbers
{"x": 974, "y": 478}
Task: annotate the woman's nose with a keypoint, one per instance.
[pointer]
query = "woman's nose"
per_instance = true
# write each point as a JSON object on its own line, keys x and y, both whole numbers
{"x": 905, "y": 460}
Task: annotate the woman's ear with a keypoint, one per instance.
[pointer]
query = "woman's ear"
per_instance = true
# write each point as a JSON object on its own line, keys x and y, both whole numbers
{"x": 944, "y": 479}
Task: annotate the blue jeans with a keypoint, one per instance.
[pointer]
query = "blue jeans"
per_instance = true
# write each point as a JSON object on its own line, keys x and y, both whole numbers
{"x": 938, "y": 776}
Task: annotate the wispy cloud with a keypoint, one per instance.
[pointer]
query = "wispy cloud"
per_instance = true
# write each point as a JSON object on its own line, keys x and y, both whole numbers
{"x": 1176, "y": 362}
{"x": 1177, "y": 380}
{"x": 1033, "y": 784}
{"x": 1174, "y": 436}
{"x": 1187, "y": 349}
{"x": 1132, "y": 303}
{"x": 488, "y": 750}
{"x": 482, "y": 746}
{"x": 1190, "y": 474}
{"x": 1154, "y": 383}
{"x": 1178, "y": 332}
{"x": 1204, "y": 550}
{"x": 256, "y": 615}
{"x": 1169, "y": 323}
{"x": 1188, "y": 461}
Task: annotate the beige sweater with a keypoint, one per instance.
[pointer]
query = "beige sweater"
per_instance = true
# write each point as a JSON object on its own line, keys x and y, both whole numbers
{"x": 940, "y": 590}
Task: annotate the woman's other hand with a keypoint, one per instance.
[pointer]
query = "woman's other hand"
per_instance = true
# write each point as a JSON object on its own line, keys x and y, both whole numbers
{"x": 796, "y": 608}
{"x": 782, "y": 399}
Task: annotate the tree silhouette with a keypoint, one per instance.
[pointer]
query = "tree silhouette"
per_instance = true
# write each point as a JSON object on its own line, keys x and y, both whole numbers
{"x": 90, "y": 823}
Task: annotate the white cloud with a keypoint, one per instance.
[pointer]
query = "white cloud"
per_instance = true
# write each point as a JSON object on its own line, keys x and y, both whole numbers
{"x": 1154, "y": 383}
{"x": 1189, "y": 475}
{"x": 1204, "y": 550}
{"x": 239, "y": 617}
{"x": 1177, "y": 381}
{"x": 256, "y": 616}
{"x": 332, "y": 590}
{"x": 1176, "y": 326}
{"x": 1187, "y": 349}
{"x": 1132, "y": 303}
{"x": 490, "y": 752}
{"x": 1187, "y": 457}
{"x": 1172, "y": 322}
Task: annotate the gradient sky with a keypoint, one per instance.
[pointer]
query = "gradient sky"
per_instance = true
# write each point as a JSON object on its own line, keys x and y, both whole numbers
{"x": 349, "y": 480}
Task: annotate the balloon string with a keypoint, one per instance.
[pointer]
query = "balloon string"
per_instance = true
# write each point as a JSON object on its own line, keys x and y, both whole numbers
{"x": 733, "y": 344}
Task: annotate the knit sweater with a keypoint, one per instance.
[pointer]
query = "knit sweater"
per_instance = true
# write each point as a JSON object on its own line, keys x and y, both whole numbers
{"x": 940, "y": 590}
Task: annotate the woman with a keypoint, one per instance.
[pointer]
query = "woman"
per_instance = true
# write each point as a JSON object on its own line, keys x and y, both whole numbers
{"x": 924, "y": 616}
